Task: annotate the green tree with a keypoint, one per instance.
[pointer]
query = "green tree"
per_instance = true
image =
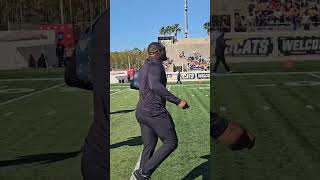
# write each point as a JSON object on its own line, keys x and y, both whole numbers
{"x": 206, "y": 26}
{"x": 162, "y": 31}
{"x": 176, "y": 29}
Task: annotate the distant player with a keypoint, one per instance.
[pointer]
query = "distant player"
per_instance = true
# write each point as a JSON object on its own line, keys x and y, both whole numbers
{"x": 151, "y": 113}
{"x": 220, "y": 48}
{"x": 179, "y": 77}
{"x": 60, "y": 51}
{"x": 230, "y": 133}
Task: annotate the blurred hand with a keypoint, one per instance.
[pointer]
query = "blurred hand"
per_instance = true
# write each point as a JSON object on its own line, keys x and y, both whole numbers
{"x": 237, "y": 138}
{"x": 183, "y": 104}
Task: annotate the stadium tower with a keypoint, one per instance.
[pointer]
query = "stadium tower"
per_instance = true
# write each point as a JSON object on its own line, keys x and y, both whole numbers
{"x": 186, "y": 18}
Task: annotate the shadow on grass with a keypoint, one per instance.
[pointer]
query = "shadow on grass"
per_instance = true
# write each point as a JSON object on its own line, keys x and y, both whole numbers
{"x": 40, "y": 158}
{"x": 200, "y": 171}
{"x": 133, "y": 141}
{"x": 123, "y": 111}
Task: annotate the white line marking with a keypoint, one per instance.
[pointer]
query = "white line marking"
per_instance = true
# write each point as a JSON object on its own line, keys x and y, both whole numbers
{"x": 264, "y": 85}
{"x": 267, "y": 73}
{"x": 8, "y": 114}
{"x": 314, "y": 75}
{"x": 309, "y": 107}
{"x": 190, "y": 85}
{"x": 135, "y": 168}
{"x": 51, "y": 112}
{"x": 31, "y": 94}
{"x": 119, "y": 91}
{"x": 266, "y": 108}
{"x": 31, "y": 79}
{"x": 3, "y": 87}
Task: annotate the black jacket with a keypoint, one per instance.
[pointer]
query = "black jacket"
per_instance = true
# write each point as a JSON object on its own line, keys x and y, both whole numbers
{"x": 152, "y": 89}
{"x": 220, "y": 46}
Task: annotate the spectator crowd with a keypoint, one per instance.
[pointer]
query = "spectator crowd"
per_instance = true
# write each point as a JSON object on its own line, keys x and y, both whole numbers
{"x": 281, "y": 14}
{"x": 195, "y": 61}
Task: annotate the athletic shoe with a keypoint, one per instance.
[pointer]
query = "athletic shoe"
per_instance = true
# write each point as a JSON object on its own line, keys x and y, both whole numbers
{"x": 139, "y": 176}
{"x": 229, "y": 72}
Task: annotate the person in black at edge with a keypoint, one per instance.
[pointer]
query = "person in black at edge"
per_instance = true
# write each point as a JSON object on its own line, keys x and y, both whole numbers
{"x": 42, "y": 61}
{"x": 219, "y": 50}
{"x": 60, "y": 54}
{"x": 155, "y": 121}
{"x": 31, "y": 62}
{"x": 230, "y": 133}
{"x": 179, "y": 77}
{"x": 95, "y": 151}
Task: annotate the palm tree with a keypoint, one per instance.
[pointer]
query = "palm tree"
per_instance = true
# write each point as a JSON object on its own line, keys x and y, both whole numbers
{"x": 176, "y": 29}
{"x": 162, "y": 31}
{"x": 169, "y": 30}
{"x": 206, "y": 26}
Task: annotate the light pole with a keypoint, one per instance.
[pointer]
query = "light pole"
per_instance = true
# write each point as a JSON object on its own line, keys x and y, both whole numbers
{"x": 61, "y": 12}
{"x": 186, "y": 18}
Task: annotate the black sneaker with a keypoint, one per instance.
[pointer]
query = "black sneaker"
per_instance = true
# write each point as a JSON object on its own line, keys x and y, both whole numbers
{"x": 139, "y": 176}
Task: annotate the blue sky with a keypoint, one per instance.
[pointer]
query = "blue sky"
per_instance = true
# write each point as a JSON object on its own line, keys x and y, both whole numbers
{"x": 136, "y": 23}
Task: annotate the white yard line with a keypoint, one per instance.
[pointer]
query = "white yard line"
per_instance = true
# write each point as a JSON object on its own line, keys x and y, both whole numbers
{"x": 31, "y": 94}
{"x": 169, "y": 87}
{"x": 190, "y": 85}
{"x": 135, "y": 168}
{"x": 314, "y": 75}
{"x": 8, "y": 114}
{"x": 267, "y": 73}
{"x": 265, "y": 85}
{"x": 119, "y": 91}
{"x": 31, "y": 79}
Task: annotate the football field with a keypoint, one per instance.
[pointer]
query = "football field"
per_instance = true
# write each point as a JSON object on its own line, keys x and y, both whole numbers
{"x": 43, "y": 124}
{"x": 281, "y": 106}
{"x": 189, "y": 161}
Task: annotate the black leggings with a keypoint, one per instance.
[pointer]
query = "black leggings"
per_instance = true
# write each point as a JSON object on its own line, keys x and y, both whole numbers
{"x": 152, "y": 128}
{"x": 92, "y": 171}
{"x": 218, "y": 60}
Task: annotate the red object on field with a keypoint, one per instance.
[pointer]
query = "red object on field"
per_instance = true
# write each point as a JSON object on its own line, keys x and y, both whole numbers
{"x": 66, "y": 35}
{"x": 289, "y": 64}
{"x": 131, "y": 73}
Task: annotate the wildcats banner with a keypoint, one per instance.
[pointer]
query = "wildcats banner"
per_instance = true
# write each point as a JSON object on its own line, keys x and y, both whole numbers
{"x": 249, "y": 46}
{"x": 299, "y": 45}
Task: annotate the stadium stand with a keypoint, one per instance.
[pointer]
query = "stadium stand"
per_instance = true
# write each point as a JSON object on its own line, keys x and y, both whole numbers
{"x": 265, "y": 15}
{"x": 188, "y": 54}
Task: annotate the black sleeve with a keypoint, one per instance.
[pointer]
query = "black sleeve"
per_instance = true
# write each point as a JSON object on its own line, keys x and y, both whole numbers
{"x": 70, "y": 76}
{"x": 154, "y": 79}
{"x": 217, "y": 125}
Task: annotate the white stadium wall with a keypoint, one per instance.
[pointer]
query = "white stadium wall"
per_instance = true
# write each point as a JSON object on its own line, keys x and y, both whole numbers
{"x": 11, "y": 41}
{"x": 121, "y": 76}
{"x": 118, "y": 76}
{"x": 189, "y": 76}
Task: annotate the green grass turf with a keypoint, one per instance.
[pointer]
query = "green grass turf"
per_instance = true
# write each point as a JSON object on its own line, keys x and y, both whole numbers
{"x": 284, "y": 118}
{"x": 192, "y": 128}
{"x": 41, "y": 135}
{"x": 32, "y": 73}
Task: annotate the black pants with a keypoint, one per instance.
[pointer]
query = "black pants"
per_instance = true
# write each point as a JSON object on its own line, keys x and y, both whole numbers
{"x": 61, "y": 61}
{"x": 92, "y": 171}
{"x": 217, "y": 125}
{"x": 218, "y": 60}
{"x": 179, "y": 81}
{"x": 152, "y": 128}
